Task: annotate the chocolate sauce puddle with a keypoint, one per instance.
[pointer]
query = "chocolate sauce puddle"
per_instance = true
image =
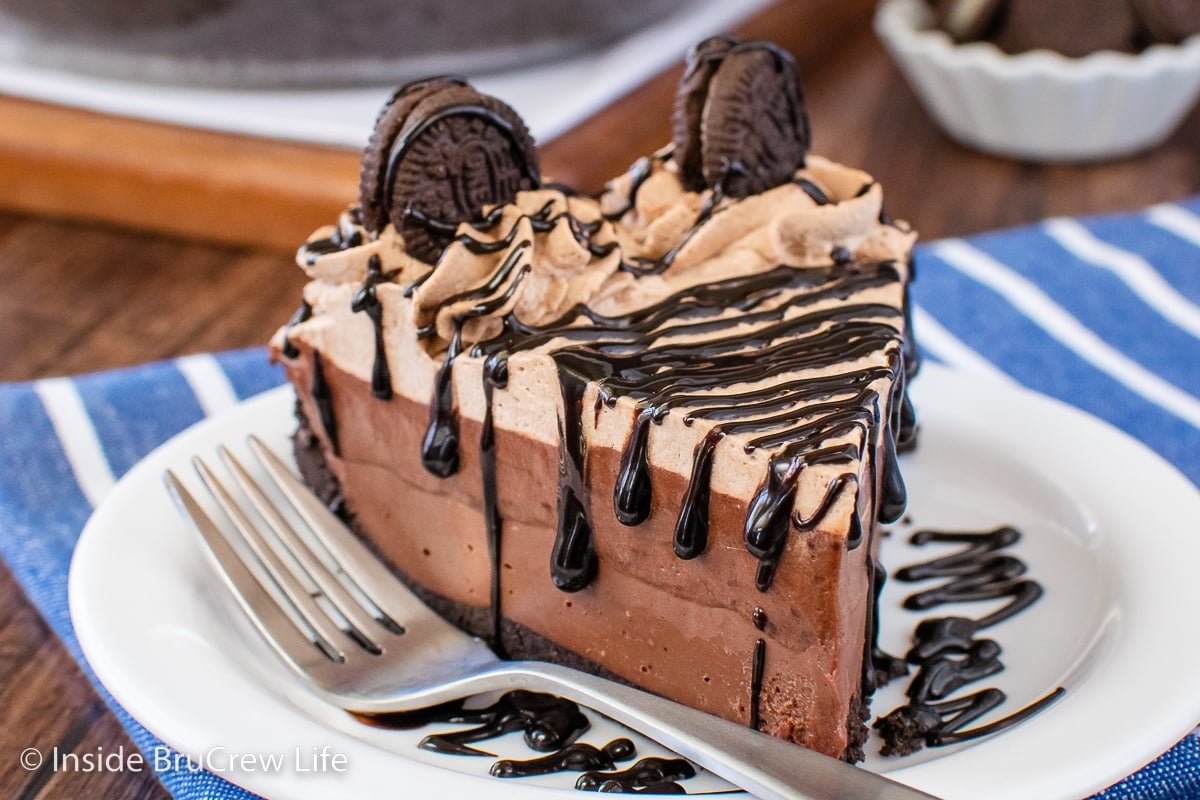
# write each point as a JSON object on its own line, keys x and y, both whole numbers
{"x": 946, "y": 650}
{"x": 577, "y": 757}
{"x": 551, "y": 725}
{"x": 651, "y": 775}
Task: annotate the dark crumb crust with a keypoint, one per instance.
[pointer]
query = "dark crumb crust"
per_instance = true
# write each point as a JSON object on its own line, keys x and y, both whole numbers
{"x": 517, "y": 640}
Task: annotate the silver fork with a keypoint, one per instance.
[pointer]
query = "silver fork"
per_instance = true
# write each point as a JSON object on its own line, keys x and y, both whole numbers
{"x": 360, "y": 639}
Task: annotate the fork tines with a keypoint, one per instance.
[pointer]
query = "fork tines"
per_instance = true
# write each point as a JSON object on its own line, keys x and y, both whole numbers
{"x": 298, "y": 573}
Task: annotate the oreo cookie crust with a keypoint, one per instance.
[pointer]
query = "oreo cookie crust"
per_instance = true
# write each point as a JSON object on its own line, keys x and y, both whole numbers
{"x": 440, "y": 154}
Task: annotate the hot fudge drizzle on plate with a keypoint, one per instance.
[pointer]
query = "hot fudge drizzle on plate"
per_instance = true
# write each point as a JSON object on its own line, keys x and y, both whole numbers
{"x": 550, "y": 725}
{"x": 946, "y": 650}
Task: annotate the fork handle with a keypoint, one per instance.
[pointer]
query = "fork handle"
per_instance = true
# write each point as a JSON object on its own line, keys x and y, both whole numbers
{"x": 766, "y": 767}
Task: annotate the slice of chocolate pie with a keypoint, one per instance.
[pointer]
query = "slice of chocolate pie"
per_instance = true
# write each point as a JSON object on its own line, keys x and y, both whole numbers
{"x": 650, "y": 434}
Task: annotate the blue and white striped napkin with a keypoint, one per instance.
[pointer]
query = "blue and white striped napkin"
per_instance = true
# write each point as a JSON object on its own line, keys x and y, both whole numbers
{"x": 1102, "y": 313}
{"x": 65, "y": 443}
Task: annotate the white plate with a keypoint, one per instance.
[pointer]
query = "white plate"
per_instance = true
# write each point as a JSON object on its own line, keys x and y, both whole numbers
{"x": 1109, "y": 531}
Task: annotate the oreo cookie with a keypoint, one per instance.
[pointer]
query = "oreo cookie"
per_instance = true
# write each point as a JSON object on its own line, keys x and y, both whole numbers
{"x": 1169, "y": 21}
{"x": 388, "y": 122}
{"x": 740, "y": 122}
{"x": 702, "y": 63}
{"x": 1074, "y": 28}
{"x": 968, "y": 20}
{"x": 440, "y": 153}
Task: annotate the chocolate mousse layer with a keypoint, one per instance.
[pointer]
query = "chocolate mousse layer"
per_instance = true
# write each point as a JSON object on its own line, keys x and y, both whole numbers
{"x": 688, "y": 630}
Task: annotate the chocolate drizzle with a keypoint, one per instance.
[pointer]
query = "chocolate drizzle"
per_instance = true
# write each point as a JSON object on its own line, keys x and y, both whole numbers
{"x": 685, "y": 353}
{"x": 757, "y": 666}
{"x": 879, "y": 667}
{"x": 814, "y": 191}
{"x": 346, "y": 234}
{"x": 573, "y": 559}
{"x": 495, "y": 376}
{"x": 945, "y": 649}
{"x": 631, "y": 497}
{"x": 893, "y": 497}
{"x": 324, "y": 400}
{"x": 691, "y": 529}
{"x": 642, "y": 266}
{"x": 439, "y": 449}
{"x": 577, "y": 757}
{"x": 543, "y": 221}
{"x": 549, "y": 723}
{"x": 972, "y": 574}
{"x": 652, "y": 774}
{"x": 642, "y": 169}
{"x": 759, "y": 618}
{"x": 302, "y": 314}
{"x": 366, "y": 300}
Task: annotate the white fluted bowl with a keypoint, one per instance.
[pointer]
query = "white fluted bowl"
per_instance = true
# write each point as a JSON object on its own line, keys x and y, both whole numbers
{"x": 1041, "y": 105}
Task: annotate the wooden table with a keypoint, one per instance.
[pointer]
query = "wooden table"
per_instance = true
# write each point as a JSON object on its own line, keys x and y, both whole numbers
{"x": 178, "y": 276}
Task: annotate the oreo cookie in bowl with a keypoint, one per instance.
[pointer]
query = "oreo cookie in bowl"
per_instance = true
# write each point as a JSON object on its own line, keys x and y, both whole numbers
{"x": 1072, "y": 80}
